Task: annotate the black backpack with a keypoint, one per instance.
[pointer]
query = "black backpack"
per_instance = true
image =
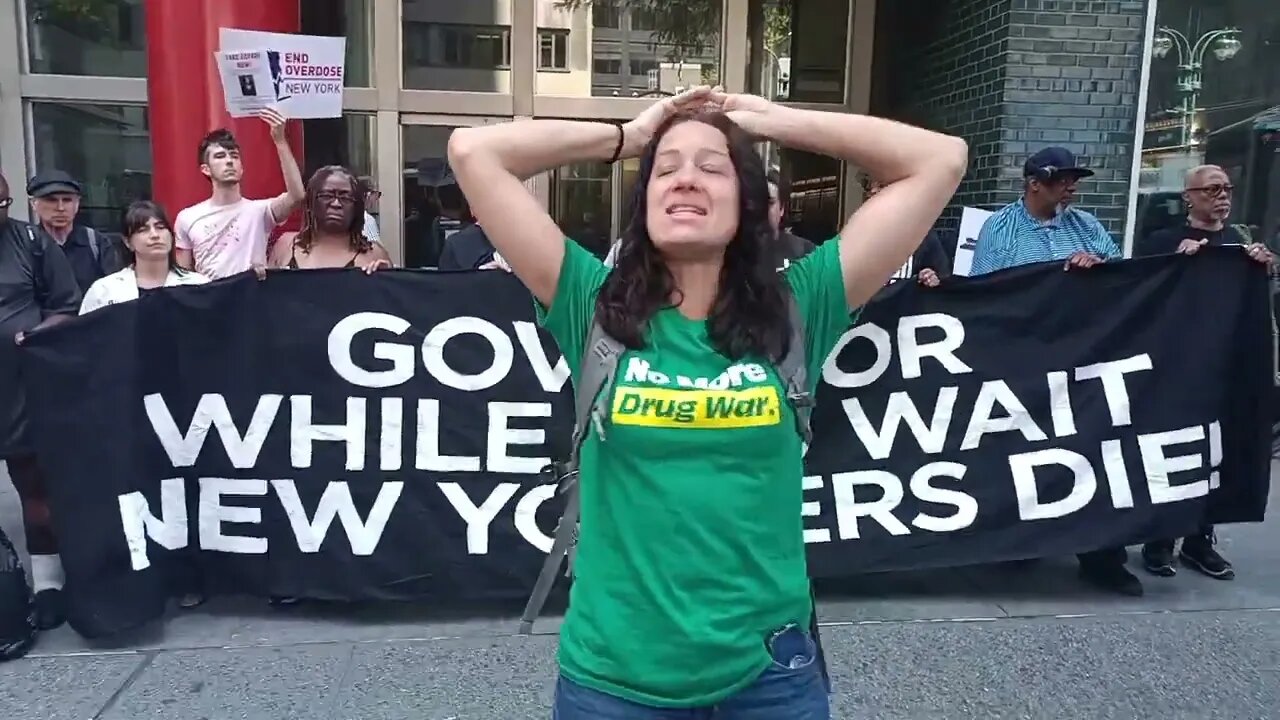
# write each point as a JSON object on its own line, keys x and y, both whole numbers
{"x": 17, "y": 606}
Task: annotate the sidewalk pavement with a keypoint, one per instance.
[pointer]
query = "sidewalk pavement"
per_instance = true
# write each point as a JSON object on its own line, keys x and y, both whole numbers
{"x": 962, "y": 643}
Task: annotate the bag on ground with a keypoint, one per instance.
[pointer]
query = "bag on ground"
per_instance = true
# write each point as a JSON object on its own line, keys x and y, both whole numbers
{"x": 17, "y": 607}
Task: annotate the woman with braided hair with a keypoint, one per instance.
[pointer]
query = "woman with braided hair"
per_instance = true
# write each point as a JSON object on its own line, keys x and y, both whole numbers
{"x": 332, "y": 234}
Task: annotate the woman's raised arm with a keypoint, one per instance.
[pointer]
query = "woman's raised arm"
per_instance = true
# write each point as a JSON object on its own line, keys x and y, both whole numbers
{"x": 920, "y": 170}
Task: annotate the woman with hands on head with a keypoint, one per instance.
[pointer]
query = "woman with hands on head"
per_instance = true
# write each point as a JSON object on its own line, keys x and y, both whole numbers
{"x": 691, "y": 590}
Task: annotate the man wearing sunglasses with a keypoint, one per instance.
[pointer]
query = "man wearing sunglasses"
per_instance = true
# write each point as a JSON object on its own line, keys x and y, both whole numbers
{"x": 1208, "y": 193}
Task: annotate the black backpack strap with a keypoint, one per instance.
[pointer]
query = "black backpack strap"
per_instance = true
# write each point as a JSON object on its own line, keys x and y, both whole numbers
{"x": 93, "y": 244}
{"x": 793, "y": 370}
{"x": 36, "y": 247}
{"x": 596, "y": 375}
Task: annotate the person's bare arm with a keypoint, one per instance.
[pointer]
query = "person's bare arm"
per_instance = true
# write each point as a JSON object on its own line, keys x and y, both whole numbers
{"x": 491, "y": 162}
{"x": 920, "y": 170}
{"x": 294, "y": 189}
{"x": 185, "y": 259}
{"x": 282, "y": 250}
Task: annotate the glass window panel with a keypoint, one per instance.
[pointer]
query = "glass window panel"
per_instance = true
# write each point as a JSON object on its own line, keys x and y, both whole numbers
{"x": 352, "y": 19}
{"x": 817, "y": 185}
{"x": 606, "y": 14}
{"x": 107, "y": 148}
{"x": 808, "y": 71}
{"x": 1207, "y": 104}
{"x": 659, "y": 45}
{"x": 464, "y": 46}
{"x": 581, "y": 204}
{"x": 630, "y": 176}
{"x": 553, "y": 50}
{"x": 86, "y": 38}
{"x": 346, "y": 141}
{"x": 432, "y": 211}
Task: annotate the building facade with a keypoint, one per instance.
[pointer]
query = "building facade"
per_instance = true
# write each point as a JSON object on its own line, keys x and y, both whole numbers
{"x": 118, "y": 92}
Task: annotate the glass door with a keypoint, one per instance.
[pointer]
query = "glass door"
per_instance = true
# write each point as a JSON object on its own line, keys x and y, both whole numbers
{"x": 433, "y": 205}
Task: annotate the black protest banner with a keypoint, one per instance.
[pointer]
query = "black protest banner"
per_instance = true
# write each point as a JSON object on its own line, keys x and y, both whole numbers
{"x": 331, "y": 435}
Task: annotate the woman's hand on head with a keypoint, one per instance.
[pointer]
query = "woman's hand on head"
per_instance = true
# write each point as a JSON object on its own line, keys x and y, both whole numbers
{"x": 637, "y": 133}
{"x": 749, "y": 112}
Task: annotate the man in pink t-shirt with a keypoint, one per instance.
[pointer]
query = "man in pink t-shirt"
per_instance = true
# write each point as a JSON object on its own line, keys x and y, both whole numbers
{"x": 227, "y": 234}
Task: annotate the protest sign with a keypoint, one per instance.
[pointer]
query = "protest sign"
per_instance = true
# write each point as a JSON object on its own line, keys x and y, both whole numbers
{"x": 300, "y": 75}
{"x": 971, "y": 222}
{"x": 333, "y": 435}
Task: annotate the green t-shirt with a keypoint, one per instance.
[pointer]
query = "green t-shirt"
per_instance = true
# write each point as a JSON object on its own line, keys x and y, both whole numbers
{"x": 691, "y": 549}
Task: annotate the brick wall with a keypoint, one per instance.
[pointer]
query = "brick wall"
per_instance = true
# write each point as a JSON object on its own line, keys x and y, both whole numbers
{"x": 1013, "y": 76}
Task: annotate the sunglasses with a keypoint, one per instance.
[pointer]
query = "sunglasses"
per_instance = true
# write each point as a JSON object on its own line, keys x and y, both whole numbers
{"x": 1216, "y": 190}
{"x": 5, "y": 202}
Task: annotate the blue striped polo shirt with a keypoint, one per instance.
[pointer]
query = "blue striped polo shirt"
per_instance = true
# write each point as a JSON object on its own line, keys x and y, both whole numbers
{"x": 1013, "y": 237}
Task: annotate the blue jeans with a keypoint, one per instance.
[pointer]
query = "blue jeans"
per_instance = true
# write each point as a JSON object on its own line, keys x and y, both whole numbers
{"x": 791, "y": 687}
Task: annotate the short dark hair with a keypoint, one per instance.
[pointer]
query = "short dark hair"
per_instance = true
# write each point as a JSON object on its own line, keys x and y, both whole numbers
{"x": 135, "y": 218}
{"x": 221, "y": 137}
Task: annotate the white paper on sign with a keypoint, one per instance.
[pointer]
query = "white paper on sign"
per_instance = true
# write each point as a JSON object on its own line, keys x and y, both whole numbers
{"x": 306, "y": 71}
{"x": 246, "y": 81}
{"x": 971, "y": 222}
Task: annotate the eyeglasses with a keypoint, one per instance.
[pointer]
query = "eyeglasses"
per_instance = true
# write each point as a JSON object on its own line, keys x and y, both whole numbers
{"x": 328, "y": 197}
{"x": 5, "y": 202}
{"x": 1216, "y": 190}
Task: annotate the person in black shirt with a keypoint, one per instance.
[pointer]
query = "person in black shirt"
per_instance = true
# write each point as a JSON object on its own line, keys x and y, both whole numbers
{"x": 55, "y": 197}
{"x": 791, "y": 247}
{"x": 1208, "y": 192}
{"x": 929, "y": 263}
{"x": 37, "y": 290}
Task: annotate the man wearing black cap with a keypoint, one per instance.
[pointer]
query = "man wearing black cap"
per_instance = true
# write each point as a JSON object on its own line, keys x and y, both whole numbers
{"x": 55, "y": 197}
{"x": 1042, "y": 226}
{"x": 37, "y": 289}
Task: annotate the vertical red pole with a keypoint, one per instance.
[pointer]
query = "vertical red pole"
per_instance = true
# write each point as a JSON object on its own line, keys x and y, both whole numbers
{"x": 184, "y": 96}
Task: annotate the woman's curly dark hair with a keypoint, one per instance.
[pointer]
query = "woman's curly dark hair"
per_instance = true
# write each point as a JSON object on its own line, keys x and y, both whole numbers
{"x": 749, "y": 316}
{"x": 306, "y": 235}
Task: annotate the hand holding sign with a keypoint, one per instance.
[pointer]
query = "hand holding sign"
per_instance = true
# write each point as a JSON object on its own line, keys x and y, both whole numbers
{"x": 275, "y": 121}
{"x": 300, "y": 75}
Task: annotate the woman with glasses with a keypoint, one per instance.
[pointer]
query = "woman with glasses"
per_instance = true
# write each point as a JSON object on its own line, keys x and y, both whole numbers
{"x": 332, "y": 234}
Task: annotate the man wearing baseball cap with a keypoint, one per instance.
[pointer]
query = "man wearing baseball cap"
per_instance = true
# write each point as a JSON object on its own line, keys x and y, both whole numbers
{"x": 55, "y": 198}
{"x": 1042, "y": 226}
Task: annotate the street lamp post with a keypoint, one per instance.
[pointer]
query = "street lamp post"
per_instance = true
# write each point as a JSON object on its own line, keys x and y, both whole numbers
{"x": 1225, "y": 43}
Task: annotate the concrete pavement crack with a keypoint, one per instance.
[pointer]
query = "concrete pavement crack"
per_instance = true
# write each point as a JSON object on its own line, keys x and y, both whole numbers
{"x": 342, "y": 683}
{"x": 147, "y": 659}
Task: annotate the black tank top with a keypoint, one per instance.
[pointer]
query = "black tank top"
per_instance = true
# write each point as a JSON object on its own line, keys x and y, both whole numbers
{"x": 293, "y": 259}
